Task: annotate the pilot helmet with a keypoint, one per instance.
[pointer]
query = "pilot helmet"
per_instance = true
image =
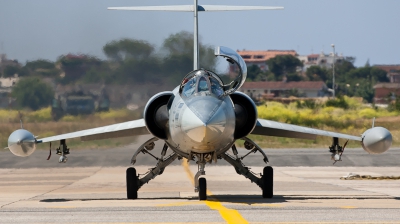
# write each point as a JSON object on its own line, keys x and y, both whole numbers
{"x": 201, "y": 73}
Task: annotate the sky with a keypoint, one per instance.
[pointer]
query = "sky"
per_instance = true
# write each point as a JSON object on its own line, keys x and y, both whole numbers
{"x": 46, "y": 29}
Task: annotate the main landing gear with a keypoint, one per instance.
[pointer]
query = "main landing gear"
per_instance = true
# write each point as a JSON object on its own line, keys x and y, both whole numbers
{"x": 62, "y": 150}
{"x": 336, "y": 150}
{"x": 265, "y": 180}
{"x": 133, "y": 182}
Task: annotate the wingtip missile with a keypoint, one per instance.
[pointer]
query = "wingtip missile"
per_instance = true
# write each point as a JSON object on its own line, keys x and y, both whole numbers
{"x": 376, "y": 140}
{"x": 22, "y": 143}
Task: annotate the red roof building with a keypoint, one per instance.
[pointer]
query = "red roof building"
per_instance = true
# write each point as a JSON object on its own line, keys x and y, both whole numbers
{"x": 260, "y": 57}
{"x": 393, "y": 72}
{"x": 385, "y": 92}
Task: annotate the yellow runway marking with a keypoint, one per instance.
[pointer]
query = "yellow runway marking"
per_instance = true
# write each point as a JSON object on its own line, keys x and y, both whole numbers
{"x": 348, "y": 207}
{"x": 229, "y": 215}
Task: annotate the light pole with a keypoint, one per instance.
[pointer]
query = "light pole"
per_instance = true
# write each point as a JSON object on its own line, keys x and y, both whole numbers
{"x": 333, "y": 71}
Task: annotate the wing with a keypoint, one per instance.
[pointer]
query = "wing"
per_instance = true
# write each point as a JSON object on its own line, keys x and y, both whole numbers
{"x": 130, "y": 128}
{"x": 273, "y": 128}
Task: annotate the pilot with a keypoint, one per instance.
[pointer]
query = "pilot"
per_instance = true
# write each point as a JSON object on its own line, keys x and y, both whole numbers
{"x": 189, "y": 87}
{"x": 216, "y": 87}
{"x": 203, "y": 86}
{"x": 201, "y": 73}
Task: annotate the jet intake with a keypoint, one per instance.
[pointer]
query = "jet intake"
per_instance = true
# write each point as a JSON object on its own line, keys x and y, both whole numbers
{"x": 246, "y": 114}
{"x": 22, "y": 143}
{"x": 156, "y": 114}
{"x": 376, "y": 140}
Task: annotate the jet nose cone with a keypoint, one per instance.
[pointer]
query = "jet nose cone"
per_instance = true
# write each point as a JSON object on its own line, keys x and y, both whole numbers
{"x": 204, "y": 131}
{"x": 377, "y": 140}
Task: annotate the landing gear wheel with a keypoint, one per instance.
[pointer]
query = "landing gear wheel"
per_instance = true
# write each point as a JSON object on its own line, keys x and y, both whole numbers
{"x": 268, "y": 182}
{"x": 131, "y": 183}
{"x": 202, "y": 189}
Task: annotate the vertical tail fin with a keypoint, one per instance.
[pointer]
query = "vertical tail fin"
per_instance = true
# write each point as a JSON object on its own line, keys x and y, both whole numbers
{"x": 195, "y": 8}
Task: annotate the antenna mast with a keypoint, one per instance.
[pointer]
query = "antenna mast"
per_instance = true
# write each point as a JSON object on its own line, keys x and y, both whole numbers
{"x": 195, "y": 8}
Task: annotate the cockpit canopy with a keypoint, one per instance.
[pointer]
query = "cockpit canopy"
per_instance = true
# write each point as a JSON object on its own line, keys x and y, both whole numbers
{"x": 201, "y": 83}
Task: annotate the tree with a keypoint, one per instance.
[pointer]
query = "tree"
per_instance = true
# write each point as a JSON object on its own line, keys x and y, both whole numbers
{"x": 254, "y": 73}
{"x": 283, "y": 64}
{"x": 379, "y": 75}
{"x": 132, "y": 61}
{"x": 316, "y": 73}
{"x": 343, "y": 67}
{"x": 76, "y": 66}
{"x": 126, "y": 49}
{"x": 11, "y": 70}
{"x": 366, "y": 73}
{"x": 181, "y": 44}
{"x": 39, "y": 64}
{"x": 294, "y": 77}
{"x": 33, "y": 93}
{"x": 178, "y": 51}
{"x": 366, "y": 91}
{"x": 42, "y": 67}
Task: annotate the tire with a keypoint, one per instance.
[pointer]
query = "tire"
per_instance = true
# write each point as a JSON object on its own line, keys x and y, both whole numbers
{"x": 268, "y": 182}
{"x": 202, "y": 189}
{"x": 131, "y": 183}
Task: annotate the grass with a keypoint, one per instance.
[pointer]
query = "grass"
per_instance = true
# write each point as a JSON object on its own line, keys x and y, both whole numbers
{"x": 353, "y": 121}
{"x": 41, "y": 124}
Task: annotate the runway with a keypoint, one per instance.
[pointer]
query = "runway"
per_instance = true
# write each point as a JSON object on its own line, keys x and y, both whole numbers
{"x": 40, "y": 191}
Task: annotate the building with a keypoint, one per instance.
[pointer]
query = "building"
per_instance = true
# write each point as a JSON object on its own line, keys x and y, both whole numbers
{"x": 321, "y": 60}
{"x": 6, "y": 85}
{"x": 259, "y": 58}
{"x": 393, "y": 72}
{"x": 309, "y": 89}
{"x": 386, "y": 92}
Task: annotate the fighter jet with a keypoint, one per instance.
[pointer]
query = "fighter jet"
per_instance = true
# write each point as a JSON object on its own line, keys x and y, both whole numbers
{"x": 200, "y": 120}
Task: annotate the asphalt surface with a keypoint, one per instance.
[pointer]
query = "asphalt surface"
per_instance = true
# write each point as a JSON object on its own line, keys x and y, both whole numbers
{"x": 90, "y": 188}
{"x": 97, "y": 195}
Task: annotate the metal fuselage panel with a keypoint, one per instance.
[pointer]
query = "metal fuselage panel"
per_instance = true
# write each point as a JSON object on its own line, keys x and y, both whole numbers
{"x": 201, "y": 124}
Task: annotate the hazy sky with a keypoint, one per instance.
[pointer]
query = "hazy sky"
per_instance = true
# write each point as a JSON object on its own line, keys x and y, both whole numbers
{"x": 33, "y": 29}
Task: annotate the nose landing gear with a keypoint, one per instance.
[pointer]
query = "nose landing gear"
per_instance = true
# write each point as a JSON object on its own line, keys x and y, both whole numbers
{"x": 200, "y": 184}
{"x": 202, "y": 189}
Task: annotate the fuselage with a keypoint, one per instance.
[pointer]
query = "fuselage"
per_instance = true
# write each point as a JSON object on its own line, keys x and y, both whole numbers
{"x": 201, "y": 119}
